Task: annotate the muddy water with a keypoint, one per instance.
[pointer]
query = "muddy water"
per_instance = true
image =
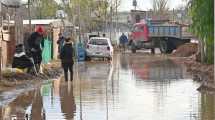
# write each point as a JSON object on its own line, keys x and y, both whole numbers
{"x": 132, "y": 87}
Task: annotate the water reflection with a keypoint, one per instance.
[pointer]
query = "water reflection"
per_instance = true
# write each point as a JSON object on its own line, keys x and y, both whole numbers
{"x": 158, "y": 70}
{"x": 67, "y": 101}
{"x": 128, "y": 88}
{"x": 37, "y": 113}
{"x": 207, "y": 107}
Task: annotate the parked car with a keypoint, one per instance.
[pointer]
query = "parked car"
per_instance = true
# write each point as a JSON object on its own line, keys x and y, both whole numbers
{"x": 100, "y": 47}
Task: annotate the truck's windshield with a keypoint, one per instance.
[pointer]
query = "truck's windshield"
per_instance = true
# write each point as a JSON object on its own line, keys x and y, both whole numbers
{"x": 137, "y": 29}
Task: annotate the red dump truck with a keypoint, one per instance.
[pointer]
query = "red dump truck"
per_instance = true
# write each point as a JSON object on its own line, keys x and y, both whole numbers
{"x": 158, "y": 34}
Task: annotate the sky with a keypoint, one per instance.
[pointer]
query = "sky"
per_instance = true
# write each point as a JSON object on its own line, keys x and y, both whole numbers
{"x": 126, "y": 5}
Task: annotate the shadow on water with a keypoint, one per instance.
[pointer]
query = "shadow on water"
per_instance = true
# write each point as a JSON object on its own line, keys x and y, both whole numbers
{"x": 129, "y": 88}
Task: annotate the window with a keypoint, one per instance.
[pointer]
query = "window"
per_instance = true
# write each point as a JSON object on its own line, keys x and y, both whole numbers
{"x": 137, "y": 29}
{"x": 98, "y": 42}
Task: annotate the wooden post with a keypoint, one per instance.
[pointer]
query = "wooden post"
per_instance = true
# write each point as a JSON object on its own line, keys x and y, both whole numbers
{"x": 18, "y": 26}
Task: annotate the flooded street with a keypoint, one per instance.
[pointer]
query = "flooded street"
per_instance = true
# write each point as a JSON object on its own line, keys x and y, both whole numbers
{"x": 132, "y": 87}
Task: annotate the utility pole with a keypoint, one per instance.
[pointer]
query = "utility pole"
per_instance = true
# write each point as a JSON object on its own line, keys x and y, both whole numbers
{"x": 29, "y": 15}
{"x": 18, "y": 26}
{"x": 111, "y": 21}
{"x": 106, "y": 22}
{"x": 116, "y": 18}
{"x": 135, "y": 4}
{"x": 79, "y": 22}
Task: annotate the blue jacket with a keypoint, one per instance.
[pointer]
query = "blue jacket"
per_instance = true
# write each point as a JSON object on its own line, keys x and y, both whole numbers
{"x": 123, "y": 39}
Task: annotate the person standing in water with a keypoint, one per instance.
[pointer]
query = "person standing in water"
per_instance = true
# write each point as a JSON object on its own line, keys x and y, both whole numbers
{"x": 66, "y": 56}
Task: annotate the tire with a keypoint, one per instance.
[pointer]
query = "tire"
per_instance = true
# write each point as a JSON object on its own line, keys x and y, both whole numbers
{"x": 153, "y": 50}
{"x": 133, "y": 50}
{"x": 109, "y": 58}
{"x": 88, "y": 58}
{"x": 133, "y": 47}
{"x": 163, "y": 46}
{"x": 166, "y": 47}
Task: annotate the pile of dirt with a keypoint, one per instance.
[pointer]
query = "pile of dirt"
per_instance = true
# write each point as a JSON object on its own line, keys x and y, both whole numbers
{"x": 50, "y": 71}
{"x": 186, "y": 50}
{"x": 203, "y": 73}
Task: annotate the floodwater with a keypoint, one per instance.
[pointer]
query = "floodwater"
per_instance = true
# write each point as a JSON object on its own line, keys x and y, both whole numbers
{"x": 132, "y": 87}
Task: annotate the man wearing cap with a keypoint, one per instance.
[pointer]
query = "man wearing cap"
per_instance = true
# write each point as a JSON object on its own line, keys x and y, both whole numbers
{"x": 34, "y": 46}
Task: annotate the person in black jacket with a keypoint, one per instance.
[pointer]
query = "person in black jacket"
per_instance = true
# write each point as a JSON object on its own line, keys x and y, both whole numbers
{"x": 35, "y": 47}
{"x": 66, "y": 56}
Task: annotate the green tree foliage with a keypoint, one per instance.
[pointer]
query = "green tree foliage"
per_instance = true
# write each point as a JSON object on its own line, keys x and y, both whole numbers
{"x": 90, "y": 11}
{"x": 93, "y": 13}
{"x": 202, "y": 13}
{"x": 45, "y": 8}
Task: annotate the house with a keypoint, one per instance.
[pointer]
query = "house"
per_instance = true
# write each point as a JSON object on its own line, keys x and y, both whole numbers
{"x": 7, "y": 44}
{"x": 8, "y": 40}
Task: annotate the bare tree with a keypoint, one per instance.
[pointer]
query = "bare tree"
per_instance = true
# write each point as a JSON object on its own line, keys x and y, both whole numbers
{"x": 160, "y": 7}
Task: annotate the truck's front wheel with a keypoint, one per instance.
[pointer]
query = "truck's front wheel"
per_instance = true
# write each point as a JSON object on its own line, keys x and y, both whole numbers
{"x": 165, "y": 46}
{"x": 133, "y": 47}
{"x": 133, "y": 50}
{"x": 153, "y": 50}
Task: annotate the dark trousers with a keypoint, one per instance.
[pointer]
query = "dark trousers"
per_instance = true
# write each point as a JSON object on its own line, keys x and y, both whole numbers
{"x": 68, "y": 67}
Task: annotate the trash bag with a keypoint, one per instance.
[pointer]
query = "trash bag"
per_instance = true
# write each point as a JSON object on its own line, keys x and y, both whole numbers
{"x": 20, "y": 59}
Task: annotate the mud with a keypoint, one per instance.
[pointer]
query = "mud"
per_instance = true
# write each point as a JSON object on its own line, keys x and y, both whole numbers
{"x": 13, "y": 80}
{"x": 201, "y": 72}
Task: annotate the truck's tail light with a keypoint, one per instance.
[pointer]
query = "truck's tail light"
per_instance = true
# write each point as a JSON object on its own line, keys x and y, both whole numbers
{"x": 108, "y": 48}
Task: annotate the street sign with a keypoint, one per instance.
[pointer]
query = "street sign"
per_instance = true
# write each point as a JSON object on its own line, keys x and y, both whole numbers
{"x": 135, "y": 3}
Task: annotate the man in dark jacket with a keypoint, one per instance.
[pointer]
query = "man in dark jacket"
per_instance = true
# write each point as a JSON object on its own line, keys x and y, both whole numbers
{"x": 66, "y": 57}
{"x": 123, "y": 40}
{"x": 34, "y": 46}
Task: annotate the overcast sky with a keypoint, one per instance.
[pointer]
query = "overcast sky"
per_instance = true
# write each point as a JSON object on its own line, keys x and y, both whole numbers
{"x": 126, "y": 5}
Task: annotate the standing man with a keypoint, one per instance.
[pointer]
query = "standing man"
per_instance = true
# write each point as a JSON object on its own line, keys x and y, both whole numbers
{"x": 60, "y": 42}
{"x": 66, "y": 56}
{"x": 123, "y": 40}
{"x": 103, "y": 35}
{"x": 35, "y": 46}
